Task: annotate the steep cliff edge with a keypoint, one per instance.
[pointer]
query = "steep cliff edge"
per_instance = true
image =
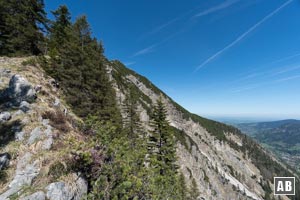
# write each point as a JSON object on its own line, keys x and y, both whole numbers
{"x": 225, "y": 163}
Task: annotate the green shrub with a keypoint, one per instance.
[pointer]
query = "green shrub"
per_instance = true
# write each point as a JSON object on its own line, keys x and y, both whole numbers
{"x": 57, "y": 169}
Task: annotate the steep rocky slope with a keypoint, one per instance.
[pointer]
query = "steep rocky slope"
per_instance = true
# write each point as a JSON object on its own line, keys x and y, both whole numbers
{"x": 217, "y": 156}
{"x": 34, "y": 123}
{"x": 38, "y": 132}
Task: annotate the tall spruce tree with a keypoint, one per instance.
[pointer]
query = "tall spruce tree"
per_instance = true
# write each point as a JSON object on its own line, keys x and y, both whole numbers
{"x": 82, "y": 30}
{"x": 131, "y": 123}
{"x": 22, "y": 24}
{"x": 60, "y": 30}
{"x": 161, "y": 141}
{"x": 165, "y": 182}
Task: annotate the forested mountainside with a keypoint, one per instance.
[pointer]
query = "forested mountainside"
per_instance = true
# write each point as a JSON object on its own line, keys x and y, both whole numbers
{"x": 76, "y": 125}
{"x": 280, "y": 137}
{"x": 255, "y": 128}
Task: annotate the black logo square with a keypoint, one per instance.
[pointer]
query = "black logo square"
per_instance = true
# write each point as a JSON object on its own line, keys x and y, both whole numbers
{"x": 284, "y": 185}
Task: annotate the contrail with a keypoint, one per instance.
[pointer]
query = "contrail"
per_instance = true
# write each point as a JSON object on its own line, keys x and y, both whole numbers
{"x": 200, "y": 14}
{"x": 151, "y": 48}
{"x": 168, "y": 23}
{"x": 243, "y": 35}
{"x": 216, "y": 8}
{"x": 145, "y": 50}
{"x": 288, "y": 78}
{"x": 286, "y": 58}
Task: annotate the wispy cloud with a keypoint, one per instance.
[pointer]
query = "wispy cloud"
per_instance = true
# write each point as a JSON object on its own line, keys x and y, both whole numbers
{"x": 286, "y": 58}
{"x": 257, "y": 85}
{"x": 174, "y": 20}
{"x": 241, "y": 37}
{"x": 221, "y": 6}
{"x": 146, "y": 50}
{"x": 245, "y": 88}
{"x": 151, "y": 48}
{"x": 168, "y": 23}
{"x": 224, "y": 12}
{"x": 285, "y": 70}
{"x": 288, "y": 78}
{"x": 249, "y": 76}
{"x": 129, "y": 63}
{"x": 268, "y": 73}
{"x": 264, "y": 72}
{"x": 188, "y": 13}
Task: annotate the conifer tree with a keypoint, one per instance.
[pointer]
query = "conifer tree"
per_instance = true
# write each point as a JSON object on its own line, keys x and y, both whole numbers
{"x": 60, "y": 28}
{"x": 131, "y": 123}
{"x": 194, "y": 191}
{"x": 22, "y": 24}
{"x": 77, "y": 62}
{"x": 182, "y": 189}
{"x": 162, "y": 142}
{"x": 82, "y": 30}
{"x": 164, "y": 179}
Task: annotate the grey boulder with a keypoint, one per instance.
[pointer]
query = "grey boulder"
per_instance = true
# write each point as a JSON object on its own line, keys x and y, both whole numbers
{"x": 56, "y": 102}
{"x": 61, "y": 191}
{"x": 4, "y": 160}
{"x": 58, "y": 191}
{"x": 19, "y": 135}
{"x": 5, "y": 116}
{"x": 36, "y": 134}
{"x": 47, "y": 144}
{"x": 19, "y": 90}
{"x": 25, "y": 173}
{"x": 35, "y": 196}
{"x": 24, "y": 106}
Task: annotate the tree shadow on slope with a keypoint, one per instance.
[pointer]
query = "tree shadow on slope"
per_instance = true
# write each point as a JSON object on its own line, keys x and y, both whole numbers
{"x": 7, "y": 131}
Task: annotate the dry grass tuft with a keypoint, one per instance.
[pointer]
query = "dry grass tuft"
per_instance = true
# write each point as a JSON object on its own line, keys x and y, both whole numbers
{"x": 57, "y": 119}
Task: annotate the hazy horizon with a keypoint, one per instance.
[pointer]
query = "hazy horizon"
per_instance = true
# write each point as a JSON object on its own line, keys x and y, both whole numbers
{"x": 247, "y": 118}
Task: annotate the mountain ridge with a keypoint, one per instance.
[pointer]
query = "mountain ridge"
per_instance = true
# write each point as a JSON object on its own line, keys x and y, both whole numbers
{"x": 217, "y": 156}
{"x": 218, "y": 130}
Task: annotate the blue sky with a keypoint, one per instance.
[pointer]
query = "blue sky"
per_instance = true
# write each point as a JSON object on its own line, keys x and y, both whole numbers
{"x": 230, "y": 58}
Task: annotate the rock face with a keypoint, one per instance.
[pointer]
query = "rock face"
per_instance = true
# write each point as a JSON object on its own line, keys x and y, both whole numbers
{"x": 25, "y": 173}
{"x": 35, "y": 196}
{"x": 58, "y": 191}
{"x": 61, "y": 191}
{"x": 24, "y": 106}
{"x": 35, "y": 135}
{"x": 5, "y": 116}
{"x": 19, "y": 90}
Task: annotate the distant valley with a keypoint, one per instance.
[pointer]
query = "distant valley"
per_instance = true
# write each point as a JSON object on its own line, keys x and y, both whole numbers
{"x": 280, "y": 137}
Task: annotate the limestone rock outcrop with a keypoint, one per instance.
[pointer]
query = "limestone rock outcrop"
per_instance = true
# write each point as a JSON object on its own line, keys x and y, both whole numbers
{"x": 27, "y": 154}
{"x": 19, "y": 90}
